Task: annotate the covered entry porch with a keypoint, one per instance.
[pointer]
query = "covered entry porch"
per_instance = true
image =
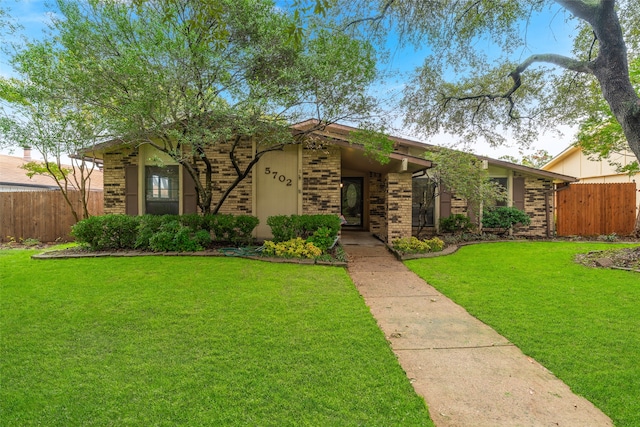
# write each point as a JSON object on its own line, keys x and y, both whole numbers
{"x": 377, "y": 197}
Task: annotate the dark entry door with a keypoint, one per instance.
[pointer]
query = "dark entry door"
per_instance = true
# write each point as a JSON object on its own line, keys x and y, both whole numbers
{"x": 352, "y": 201}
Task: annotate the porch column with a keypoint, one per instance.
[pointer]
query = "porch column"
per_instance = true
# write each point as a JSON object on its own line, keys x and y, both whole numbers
{"x": 399, "y": 194}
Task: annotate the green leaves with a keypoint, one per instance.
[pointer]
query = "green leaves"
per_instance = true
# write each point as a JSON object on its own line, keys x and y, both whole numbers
{"x": 376, "y": 144}
{"x": 463, "y": 175}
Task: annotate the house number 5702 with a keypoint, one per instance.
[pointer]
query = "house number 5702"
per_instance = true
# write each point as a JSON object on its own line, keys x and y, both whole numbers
{"x": 281, "y": 178}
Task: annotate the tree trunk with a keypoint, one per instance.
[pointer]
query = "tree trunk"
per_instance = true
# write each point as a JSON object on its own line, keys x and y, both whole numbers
{"x": 611, "y": 68}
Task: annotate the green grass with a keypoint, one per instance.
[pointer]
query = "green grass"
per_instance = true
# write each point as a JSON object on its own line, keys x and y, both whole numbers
{"x": 192, "y": 341}
{"x": 581, "y": 323}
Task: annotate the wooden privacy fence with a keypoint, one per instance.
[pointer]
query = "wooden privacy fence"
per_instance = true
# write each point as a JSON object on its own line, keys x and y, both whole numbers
{"x": 42, "y": 215}
{"x": 596, "y": 209}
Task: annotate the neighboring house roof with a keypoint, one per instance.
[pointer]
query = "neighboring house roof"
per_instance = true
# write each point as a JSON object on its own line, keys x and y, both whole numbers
{"x": 574, "y": 161}
{"x": 560, "y": 157}
{"x": 14, "y": 178}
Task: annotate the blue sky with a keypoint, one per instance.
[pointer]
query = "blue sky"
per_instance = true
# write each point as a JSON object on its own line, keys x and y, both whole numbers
{"x": 547, "y": 33}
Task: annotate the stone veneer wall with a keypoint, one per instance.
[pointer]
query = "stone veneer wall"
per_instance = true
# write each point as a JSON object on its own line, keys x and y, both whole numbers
{"x": 377, "y": 205}
{"x": 114, "y": 185}
{"x": 321, "y": 177}
{"x": 535, "y": 206}
{"x": 399, "y": 198}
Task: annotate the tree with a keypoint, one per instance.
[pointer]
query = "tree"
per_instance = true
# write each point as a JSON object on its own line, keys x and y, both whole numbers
{"x": 601, "y": 136}
{"x": 537, "y": 159}
{"x": 31, "y": 118}
{"x": 182, "y": 76}
{"x": 462, "y": 174}
{"x": 504, "y": 88}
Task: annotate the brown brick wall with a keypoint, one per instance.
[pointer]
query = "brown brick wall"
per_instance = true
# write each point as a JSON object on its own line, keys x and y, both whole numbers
{"x": 399, "y": 198}
{"x": 534, "y": 206}
{"x": 377, "y": 205}
{"x": 321, "y": 175}
{"x": 239, "y": 201}
{"x": 114, "y": 185}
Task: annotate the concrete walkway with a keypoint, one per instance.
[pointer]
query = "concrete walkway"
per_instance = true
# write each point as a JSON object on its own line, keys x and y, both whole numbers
{"x": 468, "y": 374}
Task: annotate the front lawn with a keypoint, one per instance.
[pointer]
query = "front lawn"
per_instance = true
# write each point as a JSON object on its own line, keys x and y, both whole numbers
{"x": 192, "y": 341}
{"x": 581, "y": 323}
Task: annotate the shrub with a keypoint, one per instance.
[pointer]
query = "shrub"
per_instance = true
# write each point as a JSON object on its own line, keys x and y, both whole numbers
{"x": 163, "y": 232}
{"x": 176, "y": 237}
{"x": 306, "y": 225}
{"x": 503, "y": 217}
{"x": 230, "y": 228}
{"x": 435, "y": 244}
{"x": 613, "y": 237}
{"x": 413, "y": 245}
{"x": 285, "y": 227}
{"x": 456, "y": 223}
{"x": 294, "y": 248}
{"x": 107, "y": 232}
{"x": 244, "y": 226}
{"x": 194, "y": 221}
{"x": 148, "y": 225}
{"x": 282, "y": 227}
{"x": 322, "y": 238}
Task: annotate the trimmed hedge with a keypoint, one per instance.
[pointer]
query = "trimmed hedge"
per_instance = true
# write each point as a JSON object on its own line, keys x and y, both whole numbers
{"x": 163, "y": 232}
{"x": 287, "y": 227}
{"x": 503, "y": 217}
{"x": 107, "y": 232}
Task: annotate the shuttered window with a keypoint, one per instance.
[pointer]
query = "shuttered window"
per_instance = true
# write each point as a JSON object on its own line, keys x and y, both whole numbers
{"x": 162, "y": 190}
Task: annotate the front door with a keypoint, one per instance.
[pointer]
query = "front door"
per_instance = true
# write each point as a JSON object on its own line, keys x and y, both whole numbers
{"x": 352, "y": 201}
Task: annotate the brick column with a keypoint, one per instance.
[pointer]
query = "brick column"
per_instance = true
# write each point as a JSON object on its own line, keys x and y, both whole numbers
{"x": 399, "y": 192}
{"x": 377, "y": 205}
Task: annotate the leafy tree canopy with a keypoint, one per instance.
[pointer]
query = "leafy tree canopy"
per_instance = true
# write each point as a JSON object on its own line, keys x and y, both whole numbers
{"x": 537, "y": 159}
{"x": 463, "y": 174}
{"x": 481, "y": 80}
{"x": 181, "y": 75}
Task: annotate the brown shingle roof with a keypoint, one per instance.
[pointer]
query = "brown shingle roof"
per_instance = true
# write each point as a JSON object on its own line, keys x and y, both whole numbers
{"x": 11, "y": 174}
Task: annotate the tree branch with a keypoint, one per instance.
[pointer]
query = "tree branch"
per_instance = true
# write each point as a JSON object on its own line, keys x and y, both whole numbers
{"x": 583, "y": 9}
{"x": 382, "y": 14}
{"x": 516, "y": 76}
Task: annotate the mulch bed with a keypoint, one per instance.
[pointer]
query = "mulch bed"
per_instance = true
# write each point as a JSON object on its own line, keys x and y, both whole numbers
{"x": 626, "y": 259}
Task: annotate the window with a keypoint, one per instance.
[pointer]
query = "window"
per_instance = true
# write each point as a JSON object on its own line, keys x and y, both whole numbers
{"x": 162, "y": 194}
{"x": 503, "y": 182}
{"x": 423, "y": 203}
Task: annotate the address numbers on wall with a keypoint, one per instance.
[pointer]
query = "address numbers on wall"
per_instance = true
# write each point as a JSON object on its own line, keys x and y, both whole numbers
{"x": 278, "y": 176}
